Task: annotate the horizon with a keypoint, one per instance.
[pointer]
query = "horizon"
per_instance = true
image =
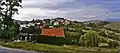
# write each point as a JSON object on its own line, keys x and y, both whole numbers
{"x": 109, "y": 20}
{"x": 91, "y": 10}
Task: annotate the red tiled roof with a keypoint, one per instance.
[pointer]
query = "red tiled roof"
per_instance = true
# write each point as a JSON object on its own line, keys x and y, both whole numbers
{"x": 58, "y": 32}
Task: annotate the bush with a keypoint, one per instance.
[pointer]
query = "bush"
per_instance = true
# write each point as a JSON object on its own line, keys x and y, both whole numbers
{"x": 113, "y": 44}
{"x": 90, "y": 39}
{"x": 103, "y": 45}
{"x": 53, "y": 40}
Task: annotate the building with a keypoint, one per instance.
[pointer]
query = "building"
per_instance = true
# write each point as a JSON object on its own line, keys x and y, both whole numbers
{"x": 56, "y": 23}
{"x": 57, "y": 32}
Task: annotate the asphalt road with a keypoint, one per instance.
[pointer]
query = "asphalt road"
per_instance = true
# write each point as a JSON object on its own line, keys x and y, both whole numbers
{"x": 9, "y": 50}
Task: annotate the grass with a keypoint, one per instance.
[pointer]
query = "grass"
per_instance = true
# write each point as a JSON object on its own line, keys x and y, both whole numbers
{"x": 114, "y": 25}
{"x": 55, "y": 48}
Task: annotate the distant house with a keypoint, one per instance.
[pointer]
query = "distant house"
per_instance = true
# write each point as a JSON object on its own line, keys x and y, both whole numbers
{"x": 27, "y": 25}
{"x": 56, "y": 23}
{"x": 57, "y": 32}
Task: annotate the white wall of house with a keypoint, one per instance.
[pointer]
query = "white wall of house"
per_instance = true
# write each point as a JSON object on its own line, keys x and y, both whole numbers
{"x": 56, "y": 23}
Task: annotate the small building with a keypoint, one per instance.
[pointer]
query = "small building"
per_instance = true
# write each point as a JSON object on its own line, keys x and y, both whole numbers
{"x": 57, "y": 32}
{"x": 56, "y": 23}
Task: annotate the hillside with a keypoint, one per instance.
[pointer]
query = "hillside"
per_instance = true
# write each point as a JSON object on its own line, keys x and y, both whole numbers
{"x": 113, "y": 25}
{"x": 113, "y": 20}
{"x": 85, "y": 34}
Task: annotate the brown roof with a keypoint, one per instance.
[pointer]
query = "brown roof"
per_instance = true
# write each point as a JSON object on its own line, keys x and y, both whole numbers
{"x": 58, "y": 32}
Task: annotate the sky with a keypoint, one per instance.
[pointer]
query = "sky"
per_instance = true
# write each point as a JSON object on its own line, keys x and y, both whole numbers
{"x": 79, "y": 10}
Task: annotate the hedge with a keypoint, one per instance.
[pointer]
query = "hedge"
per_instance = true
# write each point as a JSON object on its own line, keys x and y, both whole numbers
{"x": 52, "y": 40}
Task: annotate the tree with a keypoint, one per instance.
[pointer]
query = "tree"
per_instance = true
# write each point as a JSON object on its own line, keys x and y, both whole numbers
{"x": 14, "y": 31}
{"x": 31, "y": 29}
{"x": 73, "y": 34}
{"x": 37, "y": 28}
{"x": 90, "y": 38}
{"x": 24, "y": 30}
{"x": 7, "y": 12}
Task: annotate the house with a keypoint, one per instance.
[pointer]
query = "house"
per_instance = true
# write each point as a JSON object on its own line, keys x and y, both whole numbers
{"x": 56, "y": 23}
{"x": 43, "y": 24}
{"x": 57, "y": 32}
{"x": 27, "y": 25}
{"x": 52, "y": 21}
{"x": 66, "y": 22}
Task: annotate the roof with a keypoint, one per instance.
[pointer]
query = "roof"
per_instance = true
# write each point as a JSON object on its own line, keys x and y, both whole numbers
{"x": 58, "y": 32}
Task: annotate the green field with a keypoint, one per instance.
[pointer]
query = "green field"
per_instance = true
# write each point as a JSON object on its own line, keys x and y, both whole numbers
{"x": 57, "y": 49}
{"x": 114, "y": 25}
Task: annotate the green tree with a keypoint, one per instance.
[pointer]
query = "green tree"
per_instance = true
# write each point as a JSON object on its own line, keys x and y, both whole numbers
{"x": 7, "y": 12}
{"x": 90, "y": 38}
{"x": 31, "y": 29}
{"x": 24, "y": 30}
{"x": 14, "y": 31}
{"x": 74, "y": 35}
{"x": 37, "y": 28}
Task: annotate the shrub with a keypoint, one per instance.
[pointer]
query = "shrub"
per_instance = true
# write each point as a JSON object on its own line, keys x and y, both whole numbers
{"x": 113, "y": 44}
{"x": 53, "y": 40}
{"x": 103, "y": 45}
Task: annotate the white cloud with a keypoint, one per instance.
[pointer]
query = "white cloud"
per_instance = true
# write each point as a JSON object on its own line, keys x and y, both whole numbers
{"x": 78, "y": 11}
{"x": 44, "y": 3}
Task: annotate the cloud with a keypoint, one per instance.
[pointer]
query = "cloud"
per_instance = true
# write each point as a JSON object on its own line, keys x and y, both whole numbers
{"x": 72, "y": 9}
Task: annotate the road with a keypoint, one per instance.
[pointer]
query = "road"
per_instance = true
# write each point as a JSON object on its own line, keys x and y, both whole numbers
{"x": 9, "y": 50}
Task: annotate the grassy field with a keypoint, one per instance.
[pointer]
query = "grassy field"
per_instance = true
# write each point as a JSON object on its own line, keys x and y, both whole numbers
{"x": 114, "y": 25}
{"x": 57, "y": 49}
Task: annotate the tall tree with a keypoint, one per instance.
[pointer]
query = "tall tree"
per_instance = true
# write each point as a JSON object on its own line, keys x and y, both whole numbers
{"x": 10, "y": 8}
{"x": 14, "y": 31}
{"x": 90, "y": 38}
{"x": 31, "y": 29}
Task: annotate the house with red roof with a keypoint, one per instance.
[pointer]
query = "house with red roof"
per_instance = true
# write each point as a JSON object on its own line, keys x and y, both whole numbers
{"x": 57, "y": 32}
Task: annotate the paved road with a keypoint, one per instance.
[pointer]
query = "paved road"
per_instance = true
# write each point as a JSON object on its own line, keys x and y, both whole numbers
{"x": 9, "y": 50}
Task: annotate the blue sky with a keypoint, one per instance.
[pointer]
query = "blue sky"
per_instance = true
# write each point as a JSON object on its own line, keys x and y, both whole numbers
{"x": 81, "y": 10}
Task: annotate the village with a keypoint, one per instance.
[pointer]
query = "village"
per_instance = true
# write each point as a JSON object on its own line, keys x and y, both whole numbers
{"x": 59, "y": 26}
{"x": 60, "y": 32}
{"x": 48, "y": 27}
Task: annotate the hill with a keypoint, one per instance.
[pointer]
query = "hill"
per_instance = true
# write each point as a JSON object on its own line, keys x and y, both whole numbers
{"x": 113, "y": 25}
{"x": 76, "y": 31}
{"x": 113, "y": 20}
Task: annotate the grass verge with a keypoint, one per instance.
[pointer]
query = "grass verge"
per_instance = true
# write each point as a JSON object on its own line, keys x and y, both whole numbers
{"x": 55, "y": 48}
